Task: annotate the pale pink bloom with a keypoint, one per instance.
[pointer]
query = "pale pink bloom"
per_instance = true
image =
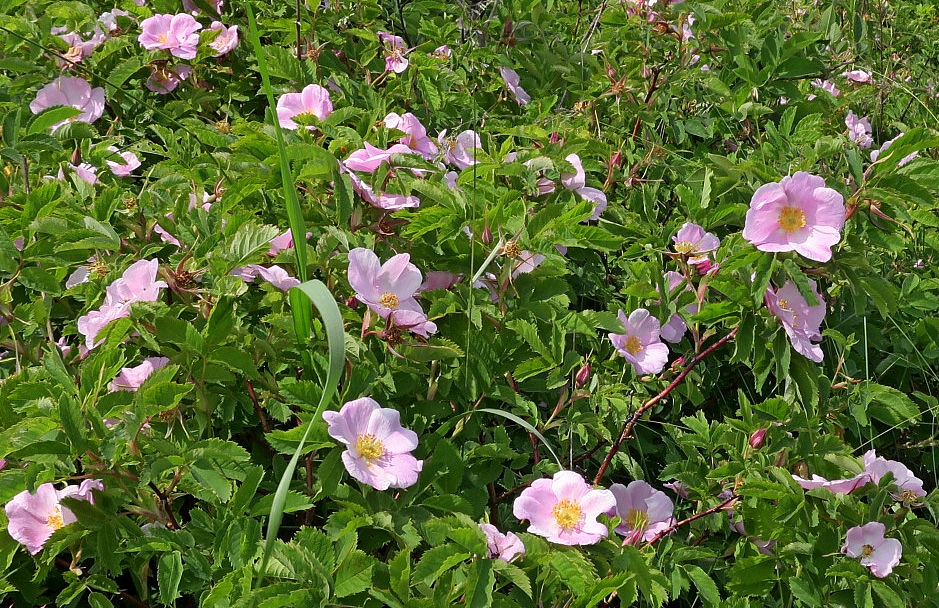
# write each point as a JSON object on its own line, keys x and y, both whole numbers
{"x": 74, "y": 92}
{"x": 564, "y": 509}
{"x": 859, "y": 130}
{"x": 165, "y": 80}
{"x": 439, "y": 279}
{"x": 837, "y": 486}
{"x": 640, "y": 343}
{"x": 194, "y": 201}
{"x": 449, "y": 180}
{"x": 695, "y": 243}
{"x": 109, "y": 19}
{"x": 527, "y": 262}
{"x": 801, "y": 322}
{"x": 798, "y": 214}
{"x": 275, "y": 275}
{"x": 461, "y": 150}
{"x": 33, "y": 517}
{"x": 363, "y": 189}
{"x": 313, "y": 100}
{"x": 131, "y": 162}
{"x": 909, "y": 485}
{"x": 137, "y": 284}
{"x": 388, "y": 289}
{"x": 393, "y": 202}
{"x": 502, "y": 546}
{"x": 283, "y": 241}
{"x": 395, "y": 51}
{"x": 19, "y": 243}
{"x": 875, "y": 154}
{"x": 78, "y": 277}
{"x": 178, "y": 34}
{"x": 678, "y": 488}
{"x": 165, "y": 236}
{"x": 86, "y": 172}
{"x": 79, "y": 48}
{"x": 825, "y": 85}
{"x": 378, "y": 448}
{"x": 131, "y": 378}
{"x": 511, "y": 79}
{"x": 190, "y": 6}
{"x": 414, "y": 321}
{"x": 644, "y": 511}
{"x": 857, "y": 76}
{"x": 577, "y": 182}
{"x": 675, "y": 328}
{"x": 415, "y": 134}
{"x": 876, "y": 552}
{"x": 370, "y": 158}
{"x": 227, "y": 39}
{"x": 442, "y": 53}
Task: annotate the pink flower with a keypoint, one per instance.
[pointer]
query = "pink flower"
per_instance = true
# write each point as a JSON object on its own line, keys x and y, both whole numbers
{"x": 227, "y": 38}
{"x": 137, "y": 284}
{"x": 693, "y": 242}
{"x": 511, "y": 79}
{"x": 502, "y": 546}
{"x": 131, "y": 378}
{"x": 378, "y": 448}
{"x": 79, "y": 48}
{"x": 825, "y": 85}
{"x": 275, "y": 275}
{"x": 836, "y": 486}
{"x": 165, "y": 236}
{"x": 178, "y": 34}
{"x": 389, "y": 288}
{"x": 313, "y": 100}
{"x": 461, "y": 150}
{"x": 640, "y": 344}
{"x": 577, "y": 182}
{"x": 370, "y": 158}
{"x": 395, "y": 51}
{"x": 439, "y": 279}
{"x": 564, "y": 509}
{"x": 801, "y": 322}
{"x": 675, "y": 328}
{"x": 74, "y": 92}
{"x": 859, "y": 130}
{"x": 796, "y": 214}
{"x": 283, "y": 241}
{"x": 131, "y": 162}
{"x": 164, "y": 80}
{"x": 876, "y": 552}
{"x": 678, "y": 488}
{"x": 644, "y": 511}
{"x": 875, "y": 154}
{"x": 415, "y": 134}
{"x": 85, "y": 172}
{"x": 33, "y": 517}
{"x": 909, "y": 485}
{"x": 441, "y": 53}
{"x": 857, "y": 76}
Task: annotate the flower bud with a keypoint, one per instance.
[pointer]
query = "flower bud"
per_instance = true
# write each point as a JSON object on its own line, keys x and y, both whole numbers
{"x": 583, "y": 375}
{"x": 617, "y": 159}
{"x": 486, "y": 235}
{"x": 352, "y": 302}
{"x": 757, "y": 438}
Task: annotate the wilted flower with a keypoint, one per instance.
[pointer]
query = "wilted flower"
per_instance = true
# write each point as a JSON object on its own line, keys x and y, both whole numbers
{"x": 395, "y": 51}
{"x": 137, "y": 284}
{"x": 511, "y": 79}
{"x": 227, "y": 38}
{"x": 164, "y": 80}
{"x": 389, "y": 288}
{"x": 909, "y": 485}
{"x": 131, "y": 162}
{"x": 564, "y": 509}
{"x": 836, "y": 486}
{"x": 644, "y": 511}
{"x": 876, "y": 552}
{"x": 370, "y": 158}
{"x": 801, "y": 322}
{"x": 857, "y": 76}
{"x": 441, "y": 53}
{"x": 178, "y": 34}
{"x": 33, "y": 517}
{"x": 859, "y": 130}
{"x": 577, "y": 182}
{"x": 378, "y": 448}
{"x": 74, "y": 92}
{"x": 312, "y": 101}
{"x": 131, "y": 378}
{"x": 640, "y": 344}
{"x": 796, "y": 214}
{"x": 693, "y": 242}
{"x": 502, "y": 546}
{"x": 275, "y": 275}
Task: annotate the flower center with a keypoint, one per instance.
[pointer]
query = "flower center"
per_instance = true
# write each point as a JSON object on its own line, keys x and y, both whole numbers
{"x": 867, "y": 551}
{"x": 791, "y": 219}
{"x": 684, "y": 247}
{"x": 389, "y": 300}
{"x": 637, "y": 520}
{"x": 54, "y": 520}
{"x": 511, "y": 250}
{"x": 369, "y": 447}
{"x": 909, "y": 496}
{"x": 633, "y": 345}
{"x": 567, "y": 514}
{"x": 163, "y": 38}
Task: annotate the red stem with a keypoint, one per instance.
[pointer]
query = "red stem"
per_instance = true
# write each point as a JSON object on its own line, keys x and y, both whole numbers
{"x": 688, "y": 520}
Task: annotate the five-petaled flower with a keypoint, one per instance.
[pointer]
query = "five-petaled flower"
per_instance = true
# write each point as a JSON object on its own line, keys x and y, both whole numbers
{"x": 640, "y": 343}
{"x": 564, "y": 509}
{"x": 74, "y": 92}
{"x": 694, "y": 243}
{"x": 178, "y": 34}
{"x": 644, "y": 511}
{"x": 511, "y": 79}
{"x": 34, "y": 516}
{"x": 909, "y": 486}
{"x": 395, "y": 51}
{"x": 798, "y": 214}
{"x": 876, "y": 552}
{"x": 313, "y": 100}
{"x": 577, "y": 182}
{"x": 378, "y": 448}
{"x": 132, "y": 378}
{"x": 801, "y": 322}
{"x": 389, "y": 288}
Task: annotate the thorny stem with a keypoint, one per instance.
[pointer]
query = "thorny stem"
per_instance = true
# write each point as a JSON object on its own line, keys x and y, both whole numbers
{"x": 265, "y": 425}
{"x": 688, "y": 520}
{"x": 165, "y": 505}
{"x": 637, "y": 415}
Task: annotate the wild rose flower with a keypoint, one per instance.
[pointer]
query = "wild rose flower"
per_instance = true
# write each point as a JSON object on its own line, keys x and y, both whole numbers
{"x": 178, "y": 34}
{"x": 859, "y": 76}
{"x": 137, "y": 284}
{"x": 74, "y": 92}
{"x": 825, "y": 85}
{"x": 227, "y": 38}
{"x": 511, "y": 79}
{"x": 370, "y": 158}
{"x": 378, "y": 448}
{"x": 909, "y": 485}
{"x": 644, "y": 511}
{"x": 836, "y": 486}
{"x": 876, "y": 552}
{"x": 34, "y": 517}
{"x": 439, "y": 279}
{"x": 502, "y": 546}
{"x": 801, "y": 322}
{"x": 283, "y": 241}
{"x": 875, "y": 154}
{"x": 313, "y": 100}
{"x": 796, "y": 214}
{"x": 131, "y": 378}
{"x": 640, "y": 344}
{"x": 79, "y": 48}
{"x": 564, "y": 509}
{"x": 395, "y": 51}
{"x": 85, "y": 172}
{"x": 415, "y": 134}
{"x": 131, "y": 162}
{"x": 674, "y": 330}
{"x": 461, "y": 150}
{"x": 577, "y": 182}
{"x": 441, "y": 53}
{"x": 389, "y": 288}
{"x": 164, "y": 80}
{"x": 859, "y": 130}
{"x": 678, "y": 488}
{"x": 693, "y": 242}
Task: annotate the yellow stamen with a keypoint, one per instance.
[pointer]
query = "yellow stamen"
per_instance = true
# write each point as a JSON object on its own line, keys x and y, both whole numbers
{"x": 633, "y": 345}
{"x": 567, "y": 514}
{"x": 637, "y": 520}
{"x": 791, "y": 219}
{"x": 389, "y": 300}
{"x": 684, "y": 247}
{"x": 867, "y": 551}
{"x": 511, "y": 250}
{"x": 369, "y": 447}
{"x": 55, "y": 520}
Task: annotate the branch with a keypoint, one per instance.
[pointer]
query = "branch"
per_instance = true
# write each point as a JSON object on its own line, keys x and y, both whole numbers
{"x": 632, "y": 420}
{"x": 705, "y": 513}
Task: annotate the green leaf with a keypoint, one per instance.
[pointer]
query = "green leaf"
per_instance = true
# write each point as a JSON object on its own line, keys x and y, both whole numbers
{"x": 44, "y": 120}
{"x": 41, "y": 280}
{"x": 479, "y": 583}
{"x": 354, "y": 574}
{"x": 707, "y": 590}
{"x": 437, "y": 560}
{"x": 169, "y": 573}
{"x": 399, "y": 571}
{"x": 528, "y": 427}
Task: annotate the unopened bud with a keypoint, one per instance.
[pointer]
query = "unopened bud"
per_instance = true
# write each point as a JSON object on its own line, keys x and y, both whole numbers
{"x": 352, "y": 302}
{"x": 76, "y": 158}
{"x": 757, "y": 438}
{"x": 610, "y": 72}
{"x": 554, "y": 137}
{"x": 487, "y": 234}
{"x": 583, "y": 375}
{"x": 617, "y": 159}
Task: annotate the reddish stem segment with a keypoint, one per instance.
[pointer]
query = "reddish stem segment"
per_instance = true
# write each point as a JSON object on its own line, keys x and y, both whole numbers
{"x": 632, "y": 420}
{"x": 688, "y": 520}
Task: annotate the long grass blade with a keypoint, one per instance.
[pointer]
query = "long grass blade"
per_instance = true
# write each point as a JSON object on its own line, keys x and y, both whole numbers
{"x": 526, "y": 425}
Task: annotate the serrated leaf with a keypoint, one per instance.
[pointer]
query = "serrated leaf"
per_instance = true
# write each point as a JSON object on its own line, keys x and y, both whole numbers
{"x": 437, "y": 560}
{"x": 479, "y": 583}
{"x": 354, "y": 574}
{"x": 169, "y": 573}
{"x": 707, "y": 590}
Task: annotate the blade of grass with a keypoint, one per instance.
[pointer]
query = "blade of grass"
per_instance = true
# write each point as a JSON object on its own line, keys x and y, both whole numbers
{"x": 316, "y": 293}
{"x": 526, "y": 425}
